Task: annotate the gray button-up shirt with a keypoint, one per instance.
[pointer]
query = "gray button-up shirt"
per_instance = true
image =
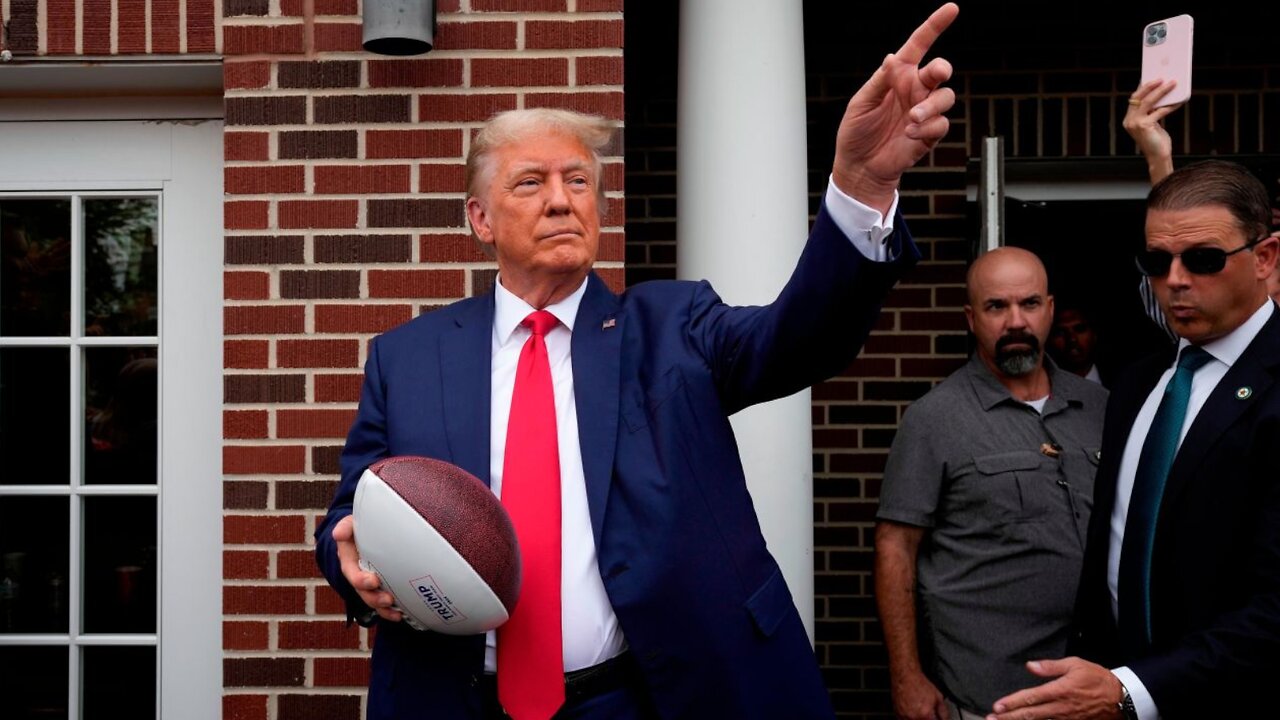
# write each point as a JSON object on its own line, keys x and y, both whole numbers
{"x": 1005, "y": 493}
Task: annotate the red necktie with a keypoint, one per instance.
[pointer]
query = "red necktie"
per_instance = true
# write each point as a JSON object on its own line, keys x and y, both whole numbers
{"x": 530, "y": 655}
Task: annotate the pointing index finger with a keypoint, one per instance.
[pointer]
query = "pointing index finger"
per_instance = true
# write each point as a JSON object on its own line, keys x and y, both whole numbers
{"x": 916, "y": 46}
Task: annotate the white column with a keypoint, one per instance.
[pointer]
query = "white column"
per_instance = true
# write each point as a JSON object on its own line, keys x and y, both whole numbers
{"x": 743, "y": 218}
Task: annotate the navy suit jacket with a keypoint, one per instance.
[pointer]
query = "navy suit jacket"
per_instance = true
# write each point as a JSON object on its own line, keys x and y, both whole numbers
{"x": 701, "y": 601}
{"x": 1215, "y": 575}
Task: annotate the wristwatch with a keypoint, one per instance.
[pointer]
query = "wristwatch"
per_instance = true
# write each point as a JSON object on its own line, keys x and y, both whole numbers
{"x": 1125, "y": 706}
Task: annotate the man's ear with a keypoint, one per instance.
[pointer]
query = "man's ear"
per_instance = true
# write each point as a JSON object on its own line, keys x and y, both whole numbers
{"x": 479, "y": 221}
{"x": 968, "y": 315}
{"x": 1266, "y": 254}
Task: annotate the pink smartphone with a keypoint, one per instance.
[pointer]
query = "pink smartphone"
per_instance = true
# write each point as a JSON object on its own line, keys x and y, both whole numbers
{"x": 1166, "y": 54}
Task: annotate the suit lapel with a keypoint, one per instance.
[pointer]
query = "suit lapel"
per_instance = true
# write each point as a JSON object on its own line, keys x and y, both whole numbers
{"x": 1251, "y": 375}
{"x": 597, "y": 356}
{"x": 466, "y": 355}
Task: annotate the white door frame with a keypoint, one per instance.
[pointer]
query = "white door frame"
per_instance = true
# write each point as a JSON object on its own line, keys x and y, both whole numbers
{"x": 183, "y": 160}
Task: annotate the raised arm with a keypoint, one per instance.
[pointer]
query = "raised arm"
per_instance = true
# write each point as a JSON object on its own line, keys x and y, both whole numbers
{"x": 895, "y": 118}
{"x": 1145, "y": 124}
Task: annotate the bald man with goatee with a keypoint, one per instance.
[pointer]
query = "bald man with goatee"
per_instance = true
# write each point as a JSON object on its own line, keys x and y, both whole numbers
{"x": 985, "y": 506}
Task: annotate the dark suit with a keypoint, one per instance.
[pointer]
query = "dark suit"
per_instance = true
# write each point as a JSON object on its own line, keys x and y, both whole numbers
{"x": 1215, "y": 575}
{"x": 702, "y": 603}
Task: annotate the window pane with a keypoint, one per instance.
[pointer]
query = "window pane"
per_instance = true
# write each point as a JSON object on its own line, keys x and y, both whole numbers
{"x": 120, "y": 266}
{"x": 119, "y": 682}
{"x": 34, "y": 416}
{"x": 35, "y": 267}
{"x": 120, "y": 408}
{"x": 34, "y": 560}
{"x": 33, "y": 685}
{"x": 119, "y": 565}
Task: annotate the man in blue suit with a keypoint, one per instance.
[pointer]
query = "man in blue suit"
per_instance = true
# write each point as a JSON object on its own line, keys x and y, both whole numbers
{"x": 1178, "y": 611}
{"x": 670, "y": 604}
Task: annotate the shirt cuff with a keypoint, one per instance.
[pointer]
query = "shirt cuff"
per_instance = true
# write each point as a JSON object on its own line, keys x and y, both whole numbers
{"x": 865, "y": 227}
{"x": 1142, "y": 702}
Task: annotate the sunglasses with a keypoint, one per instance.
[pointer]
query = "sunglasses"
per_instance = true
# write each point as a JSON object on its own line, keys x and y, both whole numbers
{"x": 1197, "y": 261}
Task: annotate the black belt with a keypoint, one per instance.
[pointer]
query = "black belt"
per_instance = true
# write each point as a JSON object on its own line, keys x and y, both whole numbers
{"x": 612, "y": 674}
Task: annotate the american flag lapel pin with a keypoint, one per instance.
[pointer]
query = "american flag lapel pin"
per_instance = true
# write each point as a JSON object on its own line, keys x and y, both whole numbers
{"x": 609, "y": 324}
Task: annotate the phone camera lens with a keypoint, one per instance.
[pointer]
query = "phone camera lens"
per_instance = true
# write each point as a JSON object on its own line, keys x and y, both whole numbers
{"x": 1163, "y": 33}
{"x": 1151, "y": 30}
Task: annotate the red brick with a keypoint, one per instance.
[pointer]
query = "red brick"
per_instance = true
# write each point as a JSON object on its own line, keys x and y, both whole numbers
{"x": 360, "y": 318}
{"x": 263, "y": 600}
{"x": 263, "y": 179}
{"x": 318, "y": 213}
{"x": 313, "y": 423}
{"x": 476, "y": 35}
{"x": 244, "y": 424}
{"x": 245, "y": 285}
{"x": 342, "y": 672}
{"x": 328, "y": 601}
{"x": 441, "y": 178}
{"x": 614, "y": 278}
{"x": 432, "y": 72}
{"x": 614, "y": 176}
{"x": 166, "y": 33}
{"x": 514, "y": 72}
{"x": 244, "y": 707}
{"x": 296, "y": 565}
{"x": 264, "y": 672}
{"x": 463, "y": 108}
{"x": 263, "y": 319}
{"x": 607, "y": 104}
{"x": 317, "y": 353}
{"x": 318, "y": 635}
{"x": 598, "y": 70}
{"x": 335, "y": 7}
{"x": 262, "y": 39}
{"x": 263, "y": 460}
{"x": 572, "y": 35}
{"x": 244, "y": 214}
{"x": 416, "y": 283}
{"x": 361, "y": 179}
{"x": 244, "y": 635}
{"x": 413, "y": 144}
{"x": 599, "y": 6}
{"x": 245, "y": 146}
{"x": 96, "y": 30}
{"x": 329, "y": 706}
{"x": 612, "y": 246}
{"x": 61, "y": 26}
{"x": 454, "y": 247}
{"x": 338, "y": 388}
{"x": 263, "y": 529}
{"x": 245, "y": 353}
{"x": 338, "y": 37}
{"x": 240, "y": 75}
{"x": 131, "y": 27}
{"x": 245, "y": 564}
{"x": 200, "y": 14}
{"x": 518, "y": 5}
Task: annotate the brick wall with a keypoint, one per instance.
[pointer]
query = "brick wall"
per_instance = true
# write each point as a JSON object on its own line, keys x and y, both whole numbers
{"x": 113, "y": 27}
{"x": 344, "y": 217}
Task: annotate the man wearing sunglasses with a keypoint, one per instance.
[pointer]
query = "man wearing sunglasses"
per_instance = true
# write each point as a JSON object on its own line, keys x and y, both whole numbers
{"x": 1178, "y": 613}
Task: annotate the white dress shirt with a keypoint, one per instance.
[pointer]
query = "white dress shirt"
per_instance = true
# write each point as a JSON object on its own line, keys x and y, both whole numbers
{"x": 1225, "y": 351}
{"x": 590, "y": 627}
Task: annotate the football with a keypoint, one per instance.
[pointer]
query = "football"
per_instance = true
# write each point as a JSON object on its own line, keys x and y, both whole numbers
{"x": 440, "y": 542}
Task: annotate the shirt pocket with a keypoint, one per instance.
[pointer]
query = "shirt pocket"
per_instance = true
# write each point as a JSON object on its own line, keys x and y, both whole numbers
{"x": 1018, "y": 485}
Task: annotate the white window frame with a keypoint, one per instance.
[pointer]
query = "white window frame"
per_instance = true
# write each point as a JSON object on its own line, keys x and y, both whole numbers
{"x": 182, "y": 162}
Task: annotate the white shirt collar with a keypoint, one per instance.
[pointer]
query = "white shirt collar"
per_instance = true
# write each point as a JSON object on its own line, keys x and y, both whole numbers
{"x": 1228, "y": 348}
{"x": 510, "y": 310}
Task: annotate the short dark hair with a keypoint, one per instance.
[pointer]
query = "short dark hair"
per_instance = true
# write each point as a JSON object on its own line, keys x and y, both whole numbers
{"x": 1217, "y": 182}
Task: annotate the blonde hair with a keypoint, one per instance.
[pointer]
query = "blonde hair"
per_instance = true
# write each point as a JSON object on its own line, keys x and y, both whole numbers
{"x": 593, "y": 131}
